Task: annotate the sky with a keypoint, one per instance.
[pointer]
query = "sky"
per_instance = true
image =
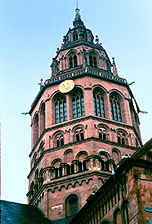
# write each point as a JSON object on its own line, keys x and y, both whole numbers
{"x": 31, "y": 31}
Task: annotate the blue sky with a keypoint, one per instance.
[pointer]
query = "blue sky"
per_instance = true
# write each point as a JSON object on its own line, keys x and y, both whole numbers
{"x": 31, "y": 31}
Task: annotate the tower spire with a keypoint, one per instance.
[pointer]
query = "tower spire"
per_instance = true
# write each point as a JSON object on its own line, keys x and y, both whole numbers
{"x": 77, "y": 21}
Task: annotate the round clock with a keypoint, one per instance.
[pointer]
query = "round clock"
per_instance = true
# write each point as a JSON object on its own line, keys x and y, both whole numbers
{"x": 66, "y": 86}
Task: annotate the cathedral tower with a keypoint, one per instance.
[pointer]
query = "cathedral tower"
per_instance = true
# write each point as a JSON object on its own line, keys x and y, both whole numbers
{"x": 84, "y": 121}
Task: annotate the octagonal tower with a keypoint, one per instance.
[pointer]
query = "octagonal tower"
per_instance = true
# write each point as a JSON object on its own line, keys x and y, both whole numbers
{"x": 84, "y": 121}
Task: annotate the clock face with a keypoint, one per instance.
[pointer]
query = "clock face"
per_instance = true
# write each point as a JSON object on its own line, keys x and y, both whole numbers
{"x": 66, "y": 86}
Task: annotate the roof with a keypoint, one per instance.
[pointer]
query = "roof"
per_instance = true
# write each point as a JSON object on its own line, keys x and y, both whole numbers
{"x": 62, "y": 220}
{"x": 17, "y": 213}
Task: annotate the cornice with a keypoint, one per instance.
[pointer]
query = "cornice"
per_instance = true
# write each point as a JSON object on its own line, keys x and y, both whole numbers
{"x": 77, "y": 73}
{"x": 68, "y": 180}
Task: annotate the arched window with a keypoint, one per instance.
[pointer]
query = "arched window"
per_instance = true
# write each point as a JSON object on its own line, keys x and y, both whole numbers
{"x": 71, "y": 205}
{"x": 121, "y": 138}
{"x": 60, "y": 110}
{"x": 58, "y": 140}
{"x": 115, "y": 107}
{"x": 35, "y": 128}
{"x": 93, "y": 60}
{"x": 116, "y": 155}
{"x": 42, "y": 117}
{"x": 98, "y": 104}
{"x": 34, "y": 160}
{"x": 57, "y": 169}
{"x": 68, "y": 155}
{"x": 78, "y": 105}
{"x": 102, "y": 134}
{"x": 79, "y": 135}
{"x": 117, "y": 217}
{"x": 72, "y": 61}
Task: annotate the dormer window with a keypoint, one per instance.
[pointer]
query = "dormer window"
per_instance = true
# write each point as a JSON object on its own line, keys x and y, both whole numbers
{"x": 75, "y": 36}
{"x": 72, "y": 61}
{"x": 93, "y": 60}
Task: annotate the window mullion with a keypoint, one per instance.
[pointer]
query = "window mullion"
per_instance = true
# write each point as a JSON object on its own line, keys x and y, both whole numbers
{"x": 100, "y": 106}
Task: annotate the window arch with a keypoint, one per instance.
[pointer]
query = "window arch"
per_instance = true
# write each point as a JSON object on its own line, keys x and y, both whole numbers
{"x": 78, "y": 104}
{"x": 60, "y": 109}
{"x": 42, "y": 117}
{"x": 115, "y": 107}
{"x": 35, "y": 128}
{"x": 81, "y": 155}
{"x": 93, "y": 60}
{"x": 104, "y": 155}
{"x": 98, "y": 101}
{"x": 71, "y": 205}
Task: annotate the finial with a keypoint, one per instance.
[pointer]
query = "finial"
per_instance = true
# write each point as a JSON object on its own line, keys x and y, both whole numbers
{"x": 97, "y": 39}
{"x": 113, "y": 61}
{"x": 115, "y": 73}
{"x": 41, "y": 84}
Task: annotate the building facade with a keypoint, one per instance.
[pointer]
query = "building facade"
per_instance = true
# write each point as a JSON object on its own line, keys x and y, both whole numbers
{"x": 126, "y": 197}
{"x": 84, "y": 121}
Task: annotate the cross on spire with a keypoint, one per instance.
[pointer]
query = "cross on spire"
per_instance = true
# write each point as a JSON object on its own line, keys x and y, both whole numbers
{"x": 77, "y": 4}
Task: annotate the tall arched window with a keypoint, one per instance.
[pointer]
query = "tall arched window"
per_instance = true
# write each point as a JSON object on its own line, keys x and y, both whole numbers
{"x": 78, "y": 105}
{"x": 98, "y": 104}
{"x": 115, "y": 108}
{"x": 42, "y": 117}
{"x": 72, "y": 61}
{"x": 93, "y": 60}
{"x": 35, "y": 128}
{"x": 71, "y": 205}
{"x": 60, "y": 110}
